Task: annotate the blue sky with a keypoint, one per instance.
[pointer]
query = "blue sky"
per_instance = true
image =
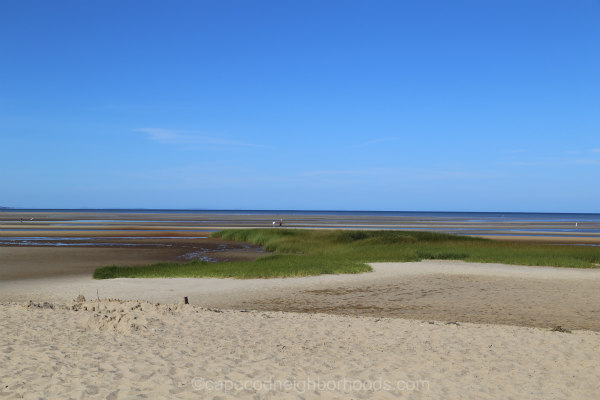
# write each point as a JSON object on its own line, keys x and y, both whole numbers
{"x": 351, "y": 105}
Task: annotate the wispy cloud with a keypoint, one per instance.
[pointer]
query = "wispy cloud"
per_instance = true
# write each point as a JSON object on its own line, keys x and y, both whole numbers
{"x": 339, "y": 172}
{"x": 440, "y": 173}
{"x": 184, "y": 137}
{"x": 376, "y": 141}
{"x": 514, "y": 151}
{"x": 162, "y": 135}
{"x": 595, "y": 150}
{"x": 587, "y": 161}
{"x": 555, "y": 162}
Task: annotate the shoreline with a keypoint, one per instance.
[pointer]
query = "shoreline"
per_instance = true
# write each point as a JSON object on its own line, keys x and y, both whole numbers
{"x": 541, "y": 228}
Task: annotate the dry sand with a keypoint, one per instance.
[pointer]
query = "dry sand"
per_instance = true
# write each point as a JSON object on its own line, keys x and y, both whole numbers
{"x": 117, "y": 349}
{"x": 140, "y": 350}
{"x": 441, "y": 290}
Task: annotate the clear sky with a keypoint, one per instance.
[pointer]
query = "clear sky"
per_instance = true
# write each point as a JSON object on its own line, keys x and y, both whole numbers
{"x": 411, "y": 105}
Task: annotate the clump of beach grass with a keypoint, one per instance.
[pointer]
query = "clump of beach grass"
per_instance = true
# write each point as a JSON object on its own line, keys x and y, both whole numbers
{"x": 296, "y": 252}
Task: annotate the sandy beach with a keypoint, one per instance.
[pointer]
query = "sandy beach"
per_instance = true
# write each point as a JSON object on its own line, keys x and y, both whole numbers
{"x": 422, "y": 330}
{"x": 440, "y": 290}
{"x": 226, "y": 345}
{"x": 137, "y": 349}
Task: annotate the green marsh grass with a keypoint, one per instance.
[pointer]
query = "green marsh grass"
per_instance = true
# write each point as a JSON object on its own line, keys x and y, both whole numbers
{"x": 296, "y": 252}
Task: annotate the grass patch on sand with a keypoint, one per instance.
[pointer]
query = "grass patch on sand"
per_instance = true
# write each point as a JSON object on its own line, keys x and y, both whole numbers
{"x": 298, "y": 252}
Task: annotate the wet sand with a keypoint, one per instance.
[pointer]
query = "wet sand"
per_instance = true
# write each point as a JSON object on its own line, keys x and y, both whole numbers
{"x": 188, "y": 223}
{"x": 30, "y": 262}
{"x": 58, "y": 243}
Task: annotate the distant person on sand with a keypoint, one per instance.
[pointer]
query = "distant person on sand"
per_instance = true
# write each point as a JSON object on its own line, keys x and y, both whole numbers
{"x": 273, "y": 224}
{"x": 281, "y": 222}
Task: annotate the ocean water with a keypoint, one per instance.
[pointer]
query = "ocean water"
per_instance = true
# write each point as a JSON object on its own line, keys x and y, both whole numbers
{"x": 470, "y": 216}
{"x": 15, "y": 224}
